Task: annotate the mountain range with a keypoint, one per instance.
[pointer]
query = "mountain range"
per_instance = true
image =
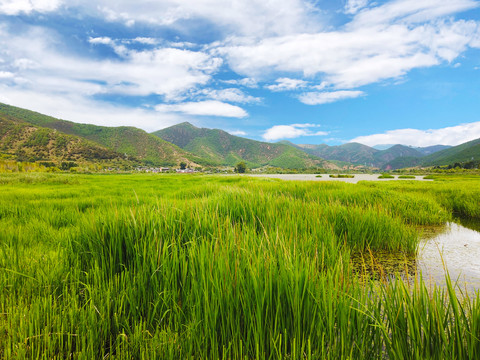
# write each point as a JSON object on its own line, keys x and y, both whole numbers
{"x": 222, "y": 148}
{"x": 392, "y": 157}
{"x": 127, "y": 143}
{"x": 20, "y": 130}
{"x": 30, "y": 136}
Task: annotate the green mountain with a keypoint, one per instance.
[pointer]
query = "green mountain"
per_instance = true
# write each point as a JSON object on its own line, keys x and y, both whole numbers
{"x": 128, "y": 141}
{"x": 354, "y": 153}
{"x": 461, "y": 153}
{"x": 384, "y": 157}
{"x": 432, "y": 149}
{"x": 402, "y": 162}
{"x": 445, "y": 155}
{"x": 25, "y": 142}
{"x": 30, "y": 136}
{"x": 222, "y": 148}
{"x": 393, "y": 157}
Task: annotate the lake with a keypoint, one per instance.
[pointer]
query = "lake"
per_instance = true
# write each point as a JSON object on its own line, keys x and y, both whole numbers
{"x": 326, "y": 177}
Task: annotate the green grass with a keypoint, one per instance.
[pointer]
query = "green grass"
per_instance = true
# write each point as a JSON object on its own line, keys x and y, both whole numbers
{"x": 386, "y": 176}
{"x": 406, "y": 176}
{"x": 342, "y": 176}
{"x": 204, "y": 267}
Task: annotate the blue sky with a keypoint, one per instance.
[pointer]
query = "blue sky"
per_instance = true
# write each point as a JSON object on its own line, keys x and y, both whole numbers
{"x": 309, "y": 71}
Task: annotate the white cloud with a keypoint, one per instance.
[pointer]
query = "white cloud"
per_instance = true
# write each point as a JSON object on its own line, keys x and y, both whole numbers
{"x": 15, "y": 7}
{"x": 453, "y": 135}
{"x": 367, "y": 50}
{"x": 237, "y": 132}
{"x": 247, "y": 17}
{"x": 6, "y": 75}
{"x": 101, "y": 40}
{"x": 247, "y": 82}
{"x": 230, "y": 95}
{"x": 145, "y": 40}
{"x": 286, "y": 84}
{"x": 163, "y": 71}
{"x": 411, "y": 11}
{"x": 353, "y": 6}
{"x": 320, "y": 86}
{"x": 278, "y": 132}
{"x": 204, "y": 108}
{"x": 317, "y": 98}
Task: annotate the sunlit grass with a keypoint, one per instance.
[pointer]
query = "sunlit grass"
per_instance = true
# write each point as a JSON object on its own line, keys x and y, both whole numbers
{"x": 174, "y": 267}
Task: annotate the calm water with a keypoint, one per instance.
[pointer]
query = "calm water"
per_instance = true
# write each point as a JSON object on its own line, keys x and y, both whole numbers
{"x": 326, "y": 177}
{"x": 454, "y": 247}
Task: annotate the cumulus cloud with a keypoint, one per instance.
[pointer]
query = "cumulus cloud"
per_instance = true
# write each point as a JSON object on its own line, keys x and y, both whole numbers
{"x": 163, "y": 71}
{"x": 230, "y": 95}
{"x": 247, "y": 17}
{"x": 453, "y": 135}
{"x": 6, "y": 75}
{"x": 286, "y": 84}
{"x": 204, "y": 108}
{"x": 317, "y": 98}
{"x": 146, "y": 40}
{"x": 278, "y": 132}
{"x": 15, "y": 7}
{"x": 247, "y": 82}
{"x": 378, "y": 44}
{"x": 101, "y": 40}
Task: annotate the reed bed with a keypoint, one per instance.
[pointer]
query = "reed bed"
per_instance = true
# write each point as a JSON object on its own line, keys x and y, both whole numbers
{"x": 200, "y": 267}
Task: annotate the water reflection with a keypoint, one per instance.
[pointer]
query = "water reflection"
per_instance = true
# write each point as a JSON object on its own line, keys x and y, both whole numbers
{"x": 454, "y": 246}
{"x": 456, "y": 249}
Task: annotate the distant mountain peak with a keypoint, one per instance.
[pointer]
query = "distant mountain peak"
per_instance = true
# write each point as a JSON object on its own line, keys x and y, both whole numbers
{"x": 185, "y": 123}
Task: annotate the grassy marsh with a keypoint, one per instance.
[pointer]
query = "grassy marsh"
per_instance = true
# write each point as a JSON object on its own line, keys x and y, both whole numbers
{"x": 169, "y": 267}
{"x": 342, "y": 176}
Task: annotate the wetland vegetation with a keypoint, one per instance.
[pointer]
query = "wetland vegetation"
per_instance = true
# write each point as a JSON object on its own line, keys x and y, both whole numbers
{"x": 210, "y": 267}
{"x": 342, "y": 176}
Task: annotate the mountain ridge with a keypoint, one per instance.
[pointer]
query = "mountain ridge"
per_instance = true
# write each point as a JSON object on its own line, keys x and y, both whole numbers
{"x": 26, "y": 142}
{"x": 30, "y": 135}
{"x": 126, "y": 140}
{"x": 223, "y": 148}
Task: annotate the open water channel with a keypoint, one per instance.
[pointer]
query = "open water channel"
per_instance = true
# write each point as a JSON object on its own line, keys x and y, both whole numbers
{"x": 454, "y": 247}
{"x": 326, "y": 177}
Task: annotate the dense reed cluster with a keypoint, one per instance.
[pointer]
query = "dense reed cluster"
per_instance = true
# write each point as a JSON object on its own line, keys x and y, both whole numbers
{"x": 176, "y": 267}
